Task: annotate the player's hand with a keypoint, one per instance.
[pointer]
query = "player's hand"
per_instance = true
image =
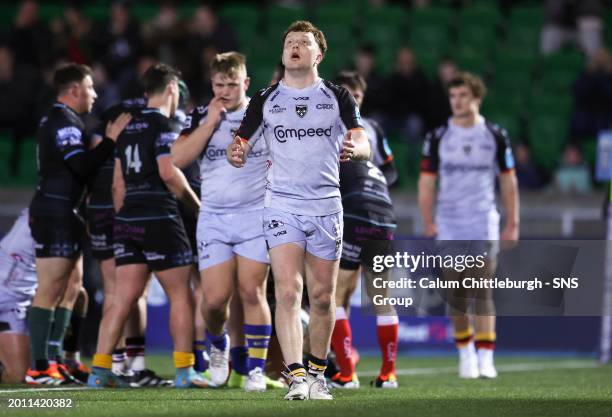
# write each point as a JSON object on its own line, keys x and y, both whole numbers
{"x": 509, "y": 236}
{"x": 114, "y": 129}
{"x": 216, "y": 110}
{"x": 348, "y": 148}
{"x": 235, "y": 154}
{"x": 430, "y": 229}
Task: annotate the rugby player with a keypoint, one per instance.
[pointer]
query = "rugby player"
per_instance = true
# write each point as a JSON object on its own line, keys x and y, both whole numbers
{"x": 467, "y": 154}
{"x": 149, "y": 232}
{"x": 64, "y": 167}
{"x": 231, "y": 247}
{"x": 17, "y": 287}
{"x": 129, "y": 355}
{"x": 303, "y": 120}
{"x": 368, "y": 217}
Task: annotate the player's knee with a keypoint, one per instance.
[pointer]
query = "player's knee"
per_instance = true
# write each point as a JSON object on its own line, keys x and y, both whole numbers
{"x": 321, "y": 301}
{"x": 251, "y": 295}
{"x": 288, "y": 298}
{"x": 215, "y": 301}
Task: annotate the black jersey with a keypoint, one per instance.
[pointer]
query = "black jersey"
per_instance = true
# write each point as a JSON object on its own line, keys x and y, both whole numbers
{"x": 148, "y": 136}
{"x": 64, "y": 162}
{"x": 100, "y": 186}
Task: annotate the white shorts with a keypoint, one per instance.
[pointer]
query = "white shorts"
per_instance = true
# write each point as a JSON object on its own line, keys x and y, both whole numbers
{"x": 13, "y": 321}
{"x": 222, "y": 236}
{"x": 320, "y": 236}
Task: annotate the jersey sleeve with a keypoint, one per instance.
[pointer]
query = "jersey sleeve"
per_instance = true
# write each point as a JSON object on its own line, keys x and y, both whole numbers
{"x": 430, "y": 159}
{"x": 503, "y": 151}
{"x": 165, "y": 138}
{"x": 69, "y": 141}
{"x": 252, "y": 124}
{"x": 349, "y": 111}
{"x": 382, "y": 151}
{"x": 193, "y": 120}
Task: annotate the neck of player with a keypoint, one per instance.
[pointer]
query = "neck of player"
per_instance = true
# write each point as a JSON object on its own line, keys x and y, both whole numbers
{"x": 300, "y": 77}
{"x": 466, "y": 120}
{"x": 68, "y": 101}
{"x": 161, "y": 102}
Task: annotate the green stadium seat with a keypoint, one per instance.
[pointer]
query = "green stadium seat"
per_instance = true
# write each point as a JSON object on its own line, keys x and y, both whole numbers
{"x": 7, "y": 14}
{"x": 478, "y": 64}
{"x": 344, "y": 13}
{"x": 483, "y": 14}
{"x": 558, "y": 82}
{"x": 551, "y": 104}
{"x": 481, "y": 38}
{"x": 96, "y": 12}
{"x": 527, "y": 15}
{"x": 570, "y": 61}
{"x": 241, "y": 15}
{"x": 389, "y": 15}
{"x": 407, "y": 157}
{"x": 508, "y": 121}
{"x": 48, "y": 12}
{"x": 434, "y": 38}
{"x": 143, "y": 12}
{"x": 428, "y": 16}
{"x": 278, "y": 17}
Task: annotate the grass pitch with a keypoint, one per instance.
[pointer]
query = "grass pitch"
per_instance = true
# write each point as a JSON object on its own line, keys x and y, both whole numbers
{"x": 428, "y": 387}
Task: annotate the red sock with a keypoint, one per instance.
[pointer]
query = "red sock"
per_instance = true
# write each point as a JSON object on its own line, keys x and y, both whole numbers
{"x": 387, "y": 328}
{"x": 342, "y": 343}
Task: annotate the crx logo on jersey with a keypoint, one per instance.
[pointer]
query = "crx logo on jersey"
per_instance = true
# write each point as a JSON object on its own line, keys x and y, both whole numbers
{"x": 301, "y": 110}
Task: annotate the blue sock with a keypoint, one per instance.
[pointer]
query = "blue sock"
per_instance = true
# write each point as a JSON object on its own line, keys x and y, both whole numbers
{"x": 201, "y": 363}
{"x": 220, "y": 342}
{"x": 239, "y": 356}
{"x": 258, "y": 338}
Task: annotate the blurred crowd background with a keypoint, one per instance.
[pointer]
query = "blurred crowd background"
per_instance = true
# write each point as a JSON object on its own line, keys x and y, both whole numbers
{"x": 546, "y": 64}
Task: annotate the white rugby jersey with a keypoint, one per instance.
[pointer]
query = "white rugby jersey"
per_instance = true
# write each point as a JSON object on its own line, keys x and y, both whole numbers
{"x": 467, "y": 161}
{"x": 303, "y": 129}
{"x": 224, "y": 188}
{"x": 17, "y": 265}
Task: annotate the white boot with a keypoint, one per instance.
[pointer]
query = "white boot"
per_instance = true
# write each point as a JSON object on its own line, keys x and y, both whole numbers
{"x": 486, "y": 367}
{"x": 468, "y": 362}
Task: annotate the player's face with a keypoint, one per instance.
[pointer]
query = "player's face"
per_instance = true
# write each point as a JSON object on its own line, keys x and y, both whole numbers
{"x": 462, "y": 101}
{"x": 231, "y": 88}
{"x": 86, "y": 95}
{"x": 301, "y": 51}
{"x": 357, "y": 94}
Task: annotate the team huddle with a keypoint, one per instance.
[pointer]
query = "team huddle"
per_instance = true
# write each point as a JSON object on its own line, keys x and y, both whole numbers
{"x": 286, "y": 189}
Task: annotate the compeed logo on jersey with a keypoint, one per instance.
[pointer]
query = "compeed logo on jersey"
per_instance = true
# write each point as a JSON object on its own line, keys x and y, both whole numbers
{"x": 301, "y": 110}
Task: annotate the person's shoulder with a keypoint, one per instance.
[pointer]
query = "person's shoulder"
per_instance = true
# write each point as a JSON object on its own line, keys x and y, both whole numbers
{"x": 264, "y": 93}
{"x": 437, "y": 132}
{"x": 498, "y": 131}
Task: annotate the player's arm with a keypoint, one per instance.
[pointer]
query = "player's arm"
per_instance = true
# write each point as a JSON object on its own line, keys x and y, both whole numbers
{"x": 508, "y": 184}
{"x": 195, "y": 136}
{"x": 356, "y": 145}
{"x": 427, "y": 183}
{"x": 383, "y": 156}
{"x": 427, "y": 196}
{"x": 85, "y": 163}
{"x": 118, "y": 188}
{"x": 176, "y": 182}
{"x": 249, "y": 131}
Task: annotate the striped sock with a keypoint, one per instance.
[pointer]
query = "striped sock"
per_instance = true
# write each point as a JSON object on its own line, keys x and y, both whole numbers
{"x": 464, "y": 337}
{"x": 258, "y": 338}
{"x": 118, "y": 360}
{"x": 239, "y": 356}
{"x": 220, "y": 341}
{"x": 135, "y": 350}
{"x": 316, "y": 366}
{"x": 485, "y": 340}
{"x": 296, "y": 370}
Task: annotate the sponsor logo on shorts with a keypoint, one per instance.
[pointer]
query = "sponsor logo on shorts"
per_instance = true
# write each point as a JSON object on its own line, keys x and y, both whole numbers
{"x": 154, "y": 256}
{"x": 273, "y": 224}
{"x": 282, "y": 134}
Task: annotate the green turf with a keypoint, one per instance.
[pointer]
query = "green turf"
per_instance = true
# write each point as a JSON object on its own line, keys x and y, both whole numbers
{"x": 428, "y": 387}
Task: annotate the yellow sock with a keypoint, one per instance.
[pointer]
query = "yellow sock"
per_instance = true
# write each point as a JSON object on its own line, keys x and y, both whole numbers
{"x": 101, "y": 360}
{"x": 183, "y": 359}
{"x": 464, "y": 337}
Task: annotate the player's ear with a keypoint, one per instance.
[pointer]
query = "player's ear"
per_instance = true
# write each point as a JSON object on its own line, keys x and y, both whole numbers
{"x": 247, "y": 83}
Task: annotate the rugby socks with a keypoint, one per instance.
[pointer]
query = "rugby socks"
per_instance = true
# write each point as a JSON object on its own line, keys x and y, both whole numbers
{"x": 387, "y": 328}
{"x": 316, "y": 366}
{"x": 201, "y": 361}
{"x": 73, "y": 336}
{"x": 239, "y": 357}
{"x": 296, "y": 370}
{"x": 464, "y": 337}
{"x": 183, "y": 359}
{"x": 61, "y": 321}
{"x": 342, "y": 344}
{"x": 219, "y": 342}
{"x": 40, "y": 321}
{"x": 258, "y": 339}
{"x": 135, "y": 351}
{"x": 119, "y": 360}
{"x": 485, "y": 340}
{"x": 102, "y": 361}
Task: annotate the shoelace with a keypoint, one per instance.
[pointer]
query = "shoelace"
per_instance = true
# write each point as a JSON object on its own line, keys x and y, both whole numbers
{"x": 321, "y": 385}
{"x": 216, "y": 357}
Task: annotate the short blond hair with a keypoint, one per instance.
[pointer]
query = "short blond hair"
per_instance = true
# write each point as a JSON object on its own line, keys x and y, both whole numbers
{"x": 230, "y": 63}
